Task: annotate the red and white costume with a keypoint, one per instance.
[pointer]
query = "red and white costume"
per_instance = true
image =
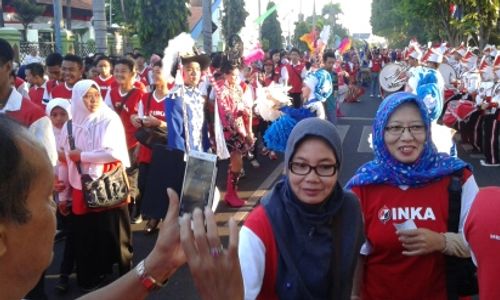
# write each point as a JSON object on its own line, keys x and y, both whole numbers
{"x": 156, "y": 109}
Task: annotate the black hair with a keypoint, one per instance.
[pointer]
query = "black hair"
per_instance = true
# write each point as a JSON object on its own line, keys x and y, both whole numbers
{"x": 54, "y": 59}
{"x": 126, "y": 61}
{"x": 216, "y": 59}
{"x": 328, "y": 53}
{"x": 17, "y": 175}
{"x": 6, "y": 52}
{"x": 36, "y": 69}
{"x": 295, "y": 50}
{"x": 103, "y": 57}
{"x": 158, "y": 64}
{"x": 74, "y": 58}
{"x": 139, "y": 55}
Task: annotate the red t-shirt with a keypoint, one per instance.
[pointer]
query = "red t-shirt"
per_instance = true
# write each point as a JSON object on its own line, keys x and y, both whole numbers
{"x": 388, "y": 274}
{"x": 376, "y": 64}
{"x": 62, "y": 91}
{"x": 157, "y": 110}
{"x": 126, "y": 106}
{"x": 482, "y": 231}
{"x": 104, "y": 84}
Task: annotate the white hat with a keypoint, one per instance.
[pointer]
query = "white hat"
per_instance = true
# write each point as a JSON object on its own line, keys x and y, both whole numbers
{"x": 413, "y": 52}
{"x": 460, "y": 50}
{"x": 432, "y": 55}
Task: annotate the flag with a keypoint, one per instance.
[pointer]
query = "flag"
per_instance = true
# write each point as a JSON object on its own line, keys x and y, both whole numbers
{"x": 266, "y": 14}
{"x": 309, "y": 39}
{"x": 345, "y": 45}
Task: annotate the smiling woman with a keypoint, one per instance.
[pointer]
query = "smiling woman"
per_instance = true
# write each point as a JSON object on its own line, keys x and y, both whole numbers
{"x": 306, "y": 222}
{"x": 407, "y": 183}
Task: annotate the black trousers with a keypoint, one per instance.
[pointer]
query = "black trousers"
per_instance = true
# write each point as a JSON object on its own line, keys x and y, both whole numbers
{"x": 491, "y": 130}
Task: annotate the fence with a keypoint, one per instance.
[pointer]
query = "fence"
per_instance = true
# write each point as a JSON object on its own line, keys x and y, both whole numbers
{"x": 45, "y": 48}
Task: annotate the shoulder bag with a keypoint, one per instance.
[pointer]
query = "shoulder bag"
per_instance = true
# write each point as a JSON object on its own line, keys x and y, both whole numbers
{"x": 109, "y": 190}
{"x": 149, "y": 136}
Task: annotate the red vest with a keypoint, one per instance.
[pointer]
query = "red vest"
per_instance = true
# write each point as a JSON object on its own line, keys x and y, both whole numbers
{"x": 28, "y": 114}
{"x": 294, "y": 77}
{"x": 36, "y": 95}
{"x": 125, "y": 108}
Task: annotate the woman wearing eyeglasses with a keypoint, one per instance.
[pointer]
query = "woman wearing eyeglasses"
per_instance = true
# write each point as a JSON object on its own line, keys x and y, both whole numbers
{"x": 404, "y": 198}
{"x": 302, "y": 241}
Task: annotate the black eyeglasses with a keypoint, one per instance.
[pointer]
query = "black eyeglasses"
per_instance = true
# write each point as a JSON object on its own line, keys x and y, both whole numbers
{"x": 325, "y": 170}
{"x": 399, "y": 130}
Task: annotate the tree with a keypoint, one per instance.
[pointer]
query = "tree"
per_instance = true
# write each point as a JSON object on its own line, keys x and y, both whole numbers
{"x": 431, "y": 20}
{"x": 26, "y": 12}
{"x": 233, "y": 17}
{"x": 271, "y": 30}
{"x": 301, "y": 27}
{"x": 157, "y": 22}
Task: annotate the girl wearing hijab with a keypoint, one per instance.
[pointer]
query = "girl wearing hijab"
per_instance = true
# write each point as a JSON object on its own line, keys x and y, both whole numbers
{"x": 301, "y": 242}
{"x": 404, "y": 198}
{"x": 59, "y": 112}
{"x": 101, "y": 236}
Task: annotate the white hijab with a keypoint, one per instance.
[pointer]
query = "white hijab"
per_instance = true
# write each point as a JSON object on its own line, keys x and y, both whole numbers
{"x": 100, "y": 134}
{"x": 64, "y": 104}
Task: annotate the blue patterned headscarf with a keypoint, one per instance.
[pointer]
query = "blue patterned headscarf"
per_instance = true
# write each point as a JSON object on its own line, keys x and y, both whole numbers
{"x": 320, "y": 83}
{"x": 385, "y": 169}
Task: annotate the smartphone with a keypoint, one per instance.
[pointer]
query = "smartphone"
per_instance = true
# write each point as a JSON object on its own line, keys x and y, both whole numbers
{"x": 199, "y": 181}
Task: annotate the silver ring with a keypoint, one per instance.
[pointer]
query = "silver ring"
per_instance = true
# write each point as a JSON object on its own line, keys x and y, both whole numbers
{"x": 216, "y": 251}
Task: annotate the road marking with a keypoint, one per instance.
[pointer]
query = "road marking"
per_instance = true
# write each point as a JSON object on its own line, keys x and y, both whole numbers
{"x": 343, "y": 129}
{"x": 364, "y": 145}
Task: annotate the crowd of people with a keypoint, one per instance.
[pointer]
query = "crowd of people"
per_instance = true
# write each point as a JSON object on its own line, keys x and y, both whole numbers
{"x": 309, "y": 238}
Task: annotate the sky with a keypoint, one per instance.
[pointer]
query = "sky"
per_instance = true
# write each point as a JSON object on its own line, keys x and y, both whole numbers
{"x": 356, "y": 13}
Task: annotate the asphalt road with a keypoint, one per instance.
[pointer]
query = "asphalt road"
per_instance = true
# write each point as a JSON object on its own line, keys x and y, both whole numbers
{"x": 355, "y": 129}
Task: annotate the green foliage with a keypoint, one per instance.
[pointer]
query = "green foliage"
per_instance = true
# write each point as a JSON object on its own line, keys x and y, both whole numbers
{"x": 430, "y": 20}
{"x": 271, "y": 30}
{"x": 157, "y": 22}
{"x": 301, "y": 28}
{"x": 233, "y": 17}
{"x": 26, "y": 12}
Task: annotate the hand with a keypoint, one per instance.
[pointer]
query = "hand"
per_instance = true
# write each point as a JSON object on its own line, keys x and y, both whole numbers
{"x": 60, "y": 156}
{"x": 63, "y": 208}
{"x": 216, "y": 272}
{"x": 167, "y": 254}
{"x": 75, "y": 155}
{"x": 59, "y": 186}
{"x": 136, "y": 121}
{"x": 150, "y": 121}
{"x": 250, "y": 139}
{"x": 421, "y": 241}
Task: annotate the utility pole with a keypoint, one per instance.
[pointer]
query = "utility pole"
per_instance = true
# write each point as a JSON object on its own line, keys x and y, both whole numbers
{"x": 57, "y": 24}
{"x": 207, "y": 26}
{"x": 68, "y": 15}
{"x": 260, "y": 24}
{"x": 99, "y": 17}
{"x": 2, "y": 23}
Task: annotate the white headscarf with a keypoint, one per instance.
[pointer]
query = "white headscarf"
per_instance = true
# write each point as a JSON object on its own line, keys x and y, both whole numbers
{"x": 58, "y": 102}
{"x": 99, "y": 135}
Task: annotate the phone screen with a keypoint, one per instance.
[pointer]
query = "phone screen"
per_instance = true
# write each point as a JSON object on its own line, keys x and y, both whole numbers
{"x": 198, "y": 186}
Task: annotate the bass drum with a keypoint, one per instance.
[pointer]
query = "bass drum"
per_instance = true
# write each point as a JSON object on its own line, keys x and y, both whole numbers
{"x": 449, "y": 74}
{"x": 392, "y": 77}
{"x": 495, "y": 93}
{"x": 471, "y": 81}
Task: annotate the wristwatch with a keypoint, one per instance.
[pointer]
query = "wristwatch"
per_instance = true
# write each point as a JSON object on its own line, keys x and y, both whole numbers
{"x": 147, "y": 281}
